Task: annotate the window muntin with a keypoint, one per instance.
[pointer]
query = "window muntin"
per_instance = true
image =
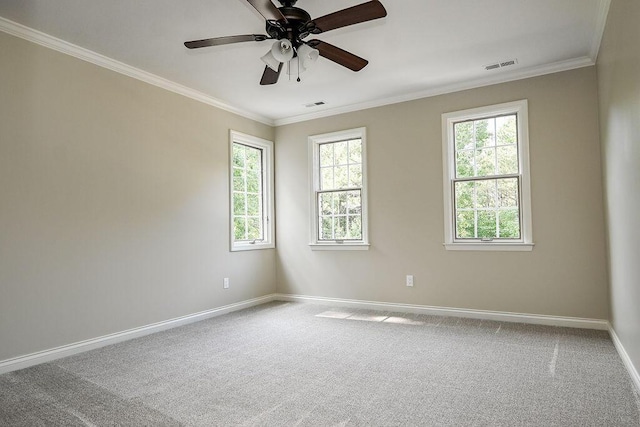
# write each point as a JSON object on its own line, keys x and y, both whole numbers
{"x": 251, "y": 198}
{"x": 340, "y": 192}
{"x": 248, "y": 212}
{"x": 486, "y": 178}
{"x": 487, "y": 181}
{"x": 338, "y": 197}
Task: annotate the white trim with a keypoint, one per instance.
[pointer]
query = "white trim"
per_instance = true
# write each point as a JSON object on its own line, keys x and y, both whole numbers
{"x": 32, "y": 359}
{"x": 339, "y": 246}
{"x": 448, "y": 171}
{"x": 67, "y": 48}
{"x": 313, "y": 164}
{"x": 601, "y": 22}
{"x": 501, "y": 316}
{"x": 501, "y": 77}
{"x": 267, "y": 191}
{"x": 503, "y": 247}
{"x": 635, "y": 377}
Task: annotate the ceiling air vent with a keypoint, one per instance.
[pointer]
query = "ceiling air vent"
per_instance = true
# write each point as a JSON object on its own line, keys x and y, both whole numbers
{"x": 315, "y": 104}
{"x": 501, "y": 64}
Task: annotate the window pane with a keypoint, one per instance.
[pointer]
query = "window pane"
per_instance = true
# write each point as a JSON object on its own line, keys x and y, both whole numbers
{"x": 326, "y": 178}
{"x": 253, "y": 158}
{"x": 254, "y": 228}
{"x": 253, "y": 182}
{"x": 326, "y": 203}
{"x": 464, "y": 164}
{"x": 326, "y": 155}
{"x": 239, "y": 206}
{"x": 341, "y": 207}
{"x": 486, "y": 224}
{"x": 340, "y": 152}
{"x": 326, "y": 228}
{"x": 355, "y": 176}
{"x": 354, "y": 202}
{"x": 239, "y": 228}
{"x": 341, "y": 179}
{"x": 508, "y": 159}
{"x": 509, "y": 222}
{"x": 238, "y": 155}
{"x": 463, "y": 134}
{"x": 253, "y": 204}
{"x": 238, "y": 179}
{"x": 355, "y": 227}
{"x": 465, "y": 225}
{"x": 506, "y": 130}
{"x": 486, "y": 193}
{"x": 340, "y": 224}
{"x": 484, "y": 133}
{"x": 464, "y": 194}
{"x": 486, "y": 162}
{"x": 508, "y": 193}
{"x": 355, "y": 151}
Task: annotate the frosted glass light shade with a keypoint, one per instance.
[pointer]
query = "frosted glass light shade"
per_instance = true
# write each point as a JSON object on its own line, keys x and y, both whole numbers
{"x": 282, "y": 50}
{"x": 271, "y": 61}
{"x": 307, "y": 55}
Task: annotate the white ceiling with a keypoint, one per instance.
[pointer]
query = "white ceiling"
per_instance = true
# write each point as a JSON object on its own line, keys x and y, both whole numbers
{"x": 422, "y": 48}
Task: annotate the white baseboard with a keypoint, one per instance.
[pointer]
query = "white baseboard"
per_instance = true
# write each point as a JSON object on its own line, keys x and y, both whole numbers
{"x": 32, "y": 359}
{"x": 82, "y": 346}
{"x": 635, "y": 378}
{"x": 536, "y": 319}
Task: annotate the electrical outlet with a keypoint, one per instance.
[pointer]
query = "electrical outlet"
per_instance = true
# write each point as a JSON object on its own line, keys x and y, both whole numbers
{"x": 225, "y": 283}
{"x": 409, "y": 280}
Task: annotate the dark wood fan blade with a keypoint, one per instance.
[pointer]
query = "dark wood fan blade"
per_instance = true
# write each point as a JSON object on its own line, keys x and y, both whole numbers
{"x": 268, "y": 10}
{"x": 349, "y": 16}
{"x": 269, "y": 76}
{"x": 339, "y": 56}
{"x": 217, "y": 41}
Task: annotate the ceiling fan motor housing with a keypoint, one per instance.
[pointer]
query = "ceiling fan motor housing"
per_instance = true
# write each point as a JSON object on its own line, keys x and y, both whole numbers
{"x": 294, "y": 28}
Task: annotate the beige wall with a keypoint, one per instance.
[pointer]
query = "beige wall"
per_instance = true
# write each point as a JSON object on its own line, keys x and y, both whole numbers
{"x": 113, "y": 203}
{"x": 619, "y": 91}
{"x": 564, "y": 275}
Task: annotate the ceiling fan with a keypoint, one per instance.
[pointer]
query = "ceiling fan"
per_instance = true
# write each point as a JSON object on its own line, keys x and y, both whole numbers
{"x": 289, "y": 25}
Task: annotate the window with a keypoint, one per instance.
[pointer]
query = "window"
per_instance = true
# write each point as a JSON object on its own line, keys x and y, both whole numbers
{"x": 251, "y": 182}
{"x": 337, "y": 163}
{"x": 486, "y": 178}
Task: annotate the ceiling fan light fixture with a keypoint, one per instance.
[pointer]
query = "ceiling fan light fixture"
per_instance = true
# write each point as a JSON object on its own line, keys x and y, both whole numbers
{"x": 307, "y": 56}
{"x": 296, "y": 67}
{"x": 282, "y": 50}
{"x": 271, "y": 61}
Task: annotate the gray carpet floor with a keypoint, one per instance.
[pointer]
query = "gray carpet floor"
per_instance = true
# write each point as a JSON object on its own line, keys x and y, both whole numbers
{"x": 293, "y": 364}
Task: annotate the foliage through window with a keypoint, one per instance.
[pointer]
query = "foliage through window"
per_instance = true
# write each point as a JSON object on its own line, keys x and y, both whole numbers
{"x": 339, "y": 188}
{"x": 487, "y": 180}
{"x": 251, "y": 206}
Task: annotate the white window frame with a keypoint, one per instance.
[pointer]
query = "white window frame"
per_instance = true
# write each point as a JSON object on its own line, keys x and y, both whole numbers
{"x": 267, "y": 192}
{"x": 525, "y": 243}
{"x": 314, "y": 180}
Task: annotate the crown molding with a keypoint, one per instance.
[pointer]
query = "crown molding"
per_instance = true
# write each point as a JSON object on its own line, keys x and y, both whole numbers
{"x": 43, "y": 39}
{"x": 601, "y": 22}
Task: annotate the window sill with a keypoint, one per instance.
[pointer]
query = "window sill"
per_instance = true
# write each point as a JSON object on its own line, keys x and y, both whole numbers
{"x": 504, "y": 247}
{"x": 254, "y": 247}
{"x": 339, "y": 246}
